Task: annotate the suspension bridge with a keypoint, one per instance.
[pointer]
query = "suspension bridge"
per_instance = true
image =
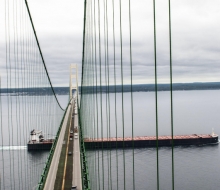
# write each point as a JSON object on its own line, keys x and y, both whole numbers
{"x": 108, "y": 136}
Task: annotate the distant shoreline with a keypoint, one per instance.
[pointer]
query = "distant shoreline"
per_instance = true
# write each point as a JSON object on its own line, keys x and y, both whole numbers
{"x": 113, "y": 89}
{"x": 151, "y": 87}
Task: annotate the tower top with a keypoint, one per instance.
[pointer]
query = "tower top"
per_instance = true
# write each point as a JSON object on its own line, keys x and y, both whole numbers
{"x": 73, "y": 75}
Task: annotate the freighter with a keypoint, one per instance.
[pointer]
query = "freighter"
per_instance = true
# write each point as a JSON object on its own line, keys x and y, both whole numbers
{"x": 37, "y": 141}
{"x": 151, "y": 141}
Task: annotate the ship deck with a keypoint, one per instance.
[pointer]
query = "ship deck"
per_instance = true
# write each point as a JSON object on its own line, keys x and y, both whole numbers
{"x": 49, "y": 141}
{"x": 144, "y": 138}
{"x": 151, "y": 141}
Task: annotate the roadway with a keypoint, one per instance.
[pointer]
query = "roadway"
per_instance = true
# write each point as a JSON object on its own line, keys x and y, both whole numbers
{"x": 76, "y": 181}
{"x": 51, "y": 177}
{"x": 76, "y": 165}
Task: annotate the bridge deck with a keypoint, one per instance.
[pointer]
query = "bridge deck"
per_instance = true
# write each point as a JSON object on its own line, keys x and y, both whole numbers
{"x": 51, "y": 177}
{"x": 65, "y": 169}
{"x": 76, "y": 179}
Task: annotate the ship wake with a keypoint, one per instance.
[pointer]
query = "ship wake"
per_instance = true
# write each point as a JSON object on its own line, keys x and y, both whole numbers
{"x": 13, "y": 147}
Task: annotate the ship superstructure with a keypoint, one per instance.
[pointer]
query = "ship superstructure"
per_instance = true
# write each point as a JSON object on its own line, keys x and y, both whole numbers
{"x": 37, "y": 141}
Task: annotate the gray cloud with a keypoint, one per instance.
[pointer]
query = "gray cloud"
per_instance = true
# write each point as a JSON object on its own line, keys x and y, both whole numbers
{"x": 195, "y": 39}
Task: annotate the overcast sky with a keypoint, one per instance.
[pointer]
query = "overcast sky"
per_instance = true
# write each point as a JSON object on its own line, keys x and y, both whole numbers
{"x": 59, "y": 26}
{"x": 195, "y": 38}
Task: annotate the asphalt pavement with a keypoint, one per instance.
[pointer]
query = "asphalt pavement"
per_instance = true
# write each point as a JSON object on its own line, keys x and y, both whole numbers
{"x": 51, "y": 177}
{"x": 76, "y": 157}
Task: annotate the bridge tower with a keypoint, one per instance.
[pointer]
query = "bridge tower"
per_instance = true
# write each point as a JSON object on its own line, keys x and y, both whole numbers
{"x": 73, "y": 75}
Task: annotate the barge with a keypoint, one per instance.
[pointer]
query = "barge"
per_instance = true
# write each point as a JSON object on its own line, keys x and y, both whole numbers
{"x": 37, "y": 141}
{"x": 150, "y": 141}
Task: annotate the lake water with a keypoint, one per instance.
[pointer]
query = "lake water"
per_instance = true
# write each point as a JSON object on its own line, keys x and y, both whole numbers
{"x": 195, "y": 112}
{"x": 20, "y": 169}
{"x": 195, "y": 167}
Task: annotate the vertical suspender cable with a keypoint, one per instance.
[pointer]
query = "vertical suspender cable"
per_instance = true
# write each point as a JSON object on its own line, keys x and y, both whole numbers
{"x": 107, "y": 95}
{"x": 100, "y": 86}
{"x": 97, "y": 106}
{"x": 109, "y": 105}
{"x": 132, "y": 109}
{"x": 115, "y": 95}
{"x": 15, "y": 27}
{"x": 25, "y": 112}
{"x": 156, "y": 98}
{"x": 101, "y": 106}
{"x": 122, "y": 88}
{"x": 2, "y": 142}
{"x": 8, "y": 72}
{"x": 12, "y": 57}
{"x": 21, "y": 76}
{"x": 99, "y": 41}
{"x": 171, "y": 92}
{"x": 105, "y": 83}
{"x": 22, "y": 60}
{"x": 93, "y": 112}
{"x": 18, "y": 97}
